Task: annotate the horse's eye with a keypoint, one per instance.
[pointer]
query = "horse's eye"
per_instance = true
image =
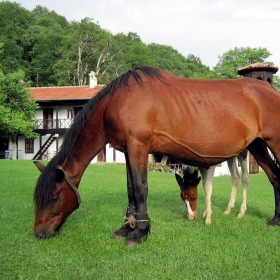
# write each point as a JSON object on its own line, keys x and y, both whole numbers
{"x": 54, "y": 199}
{"x": 194, "y": 199}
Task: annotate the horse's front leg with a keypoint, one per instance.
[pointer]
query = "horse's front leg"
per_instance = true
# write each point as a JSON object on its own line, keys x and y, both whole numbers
{"x": 130, "y": 217}
{"x": 207, "y": 178}
{"x": 245, "y": 182}
{"x": 138, "y": 160}
{"x": 234, "y": 183}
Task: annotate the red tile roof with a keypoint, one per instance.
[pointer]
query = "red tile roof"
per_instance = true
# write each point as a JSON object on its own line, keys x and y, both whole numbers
{"x": 64, "y": 93}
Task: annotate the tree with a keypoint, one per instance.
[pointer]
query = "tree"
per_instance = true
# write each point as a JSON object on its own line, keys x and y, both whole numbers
{"x": 14, "y": 20}
{"x": 276, "y": 82}
{"x": 197, "y": 69}
{"x": 86, "y": 48}
{"x": 17, "y": 108}
{"x": 42, "y": 43}
{"x": 236, "y": 58}
{"x": 171, "y": 60}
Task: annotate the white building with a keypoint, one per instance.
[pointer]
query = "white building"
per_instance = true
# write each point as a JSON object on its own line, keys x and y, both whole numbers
{"x": 58, "y": 108}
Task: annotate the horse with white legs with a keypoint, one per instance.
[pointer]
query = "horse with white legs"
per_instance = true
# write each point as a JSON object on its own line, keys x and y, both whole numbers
{"x": 207, "y": 181}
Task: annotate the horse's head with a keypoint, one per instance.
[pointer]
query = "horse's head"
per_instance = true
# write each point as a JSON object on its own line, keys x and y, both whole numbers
{"x": 55, "y": 197}
{"x": 188, "y": 186}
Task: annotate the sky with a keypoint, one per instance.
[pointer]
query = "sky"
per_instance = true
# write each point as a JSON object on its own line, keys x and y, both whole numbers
{"x": 204, "y": 28}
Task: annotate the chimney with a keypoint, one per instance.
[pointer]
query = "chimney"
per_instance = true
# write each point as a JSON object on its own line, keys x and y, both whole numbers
{"x": 259, "y": 70}
{"x": 92, "y": 79}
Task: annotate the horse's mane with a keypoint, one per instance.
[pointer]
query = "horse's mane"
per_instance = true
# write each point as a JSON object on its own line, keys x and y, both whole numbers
{"x": 46, "y": 182}
{"x": 189, "y": 174}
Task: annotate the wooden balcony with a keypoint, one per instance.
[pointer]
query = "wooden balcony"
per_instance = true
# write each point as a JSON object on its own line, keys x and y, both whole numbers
{"x": 52, "y": 126}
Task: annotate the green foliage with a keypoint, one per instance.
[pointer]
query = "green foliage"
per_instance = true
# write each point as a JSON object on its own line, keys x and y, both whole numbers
{"x": 230, "y": 248}
{"x": 14, "y": 20}
{"x": 17, "y": 108}
{"x": 276, "y": 82}
{"x": 80, "y": 51}
{"x": 52, "y": 51}
{"x": 55, "y": 52}
{"x": 233, "y": 59}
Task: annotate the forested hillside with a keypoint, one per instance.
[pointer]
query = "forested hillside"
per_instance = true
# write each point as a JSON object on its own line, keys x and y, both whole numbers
{"x": 53, "y": 51}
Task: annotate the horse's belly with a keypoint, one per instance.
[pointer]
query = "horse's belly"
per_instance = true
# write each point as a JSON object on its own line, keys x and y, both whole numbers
{"x": 200, "y": 150}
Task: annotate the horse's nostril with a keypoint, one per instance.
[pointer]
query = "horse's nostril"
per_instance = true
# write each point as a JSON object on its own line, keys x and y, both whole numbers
{"x": 44, "y": 235}
{"x": 39, "y": 236}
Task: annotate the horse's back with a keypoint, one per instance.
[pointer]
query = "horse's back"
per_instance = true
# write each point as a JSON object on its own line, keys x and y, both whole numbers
{"x": 191, "y": 118}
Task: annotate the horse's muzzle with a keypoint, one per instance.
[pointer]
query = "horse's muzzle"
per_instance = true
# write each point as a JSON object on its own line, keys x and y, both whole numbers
{"x": 191, "y": 217}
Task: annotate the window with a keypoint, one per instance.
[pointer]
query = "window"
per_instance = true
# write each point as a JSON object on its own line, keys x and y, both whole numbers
{"x": 70, "y": 113}
{"x": 29, "y": 146}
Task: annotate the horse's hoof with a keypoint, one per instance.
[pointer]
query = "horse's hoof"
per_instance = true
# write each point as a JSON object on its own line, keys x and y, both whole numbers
{"x": 117, "y": 236}
{"x": 273, "y": 223}
{"x": 131, "y": 243}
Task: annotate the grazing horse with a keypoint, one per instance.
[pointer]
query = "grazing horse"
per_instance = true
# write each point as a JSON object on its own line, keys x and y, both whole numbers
{"x": 188, "y": 186}
{"x": 146, "y": 110}
{"x": 207, "y": 179}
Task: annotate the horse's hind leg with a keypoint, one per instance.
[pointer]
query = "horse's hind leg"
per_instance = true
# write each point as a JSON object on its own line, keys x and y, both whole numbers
{"x": 130, "y": 220}
{"x": 242, "y": 158}
{"x": 259, "y": 150}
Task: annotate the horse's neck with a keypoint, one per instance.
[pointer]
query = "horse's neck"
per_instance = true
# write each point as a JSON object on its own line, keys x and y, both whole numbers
{"x": 87, "y": 145}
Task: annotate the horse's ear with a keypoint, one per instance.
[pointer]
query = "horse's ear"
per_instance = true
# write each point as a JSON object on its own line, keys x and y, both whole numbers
{"x": 39, "y": 165}
{"x": 59, "y": 175}
{"x": 179, "y": 179}
{"x": 195, "y": 173}
{"x": 196, "y": 181}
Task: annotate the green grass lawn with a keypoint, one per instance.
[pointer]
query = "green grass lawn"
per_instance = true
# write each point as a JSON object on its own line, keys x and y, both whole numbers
{"x": 230, "y": 248}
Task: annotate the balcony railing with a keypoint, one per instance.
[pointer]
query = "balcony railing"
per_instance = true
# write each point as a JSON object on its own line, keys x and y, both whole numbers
{"x": 53, "y": 124}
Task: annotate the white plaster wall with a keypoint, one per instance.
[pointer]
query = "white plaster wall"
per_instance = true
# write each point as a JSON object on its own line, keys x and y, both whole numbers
{"x": 51, "y": 149}
{"x": 222, "y": 170}
{"x": 120, "y": 158}
{"x": 62, "y": 113}
{"x": 39, "y": 114}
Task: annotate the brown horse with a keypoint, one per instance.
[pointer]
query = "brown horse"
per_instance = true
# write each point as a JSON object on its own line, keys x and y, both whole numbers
{"x": 189, "y": 193}
{"x": 147, "y": 110}
{"x": 188, "y": 186}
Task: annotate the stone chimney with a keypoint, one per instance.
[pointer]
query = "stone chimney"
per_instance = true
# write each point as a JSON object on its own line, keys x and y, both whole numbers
{"x": 92, "y": 79}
